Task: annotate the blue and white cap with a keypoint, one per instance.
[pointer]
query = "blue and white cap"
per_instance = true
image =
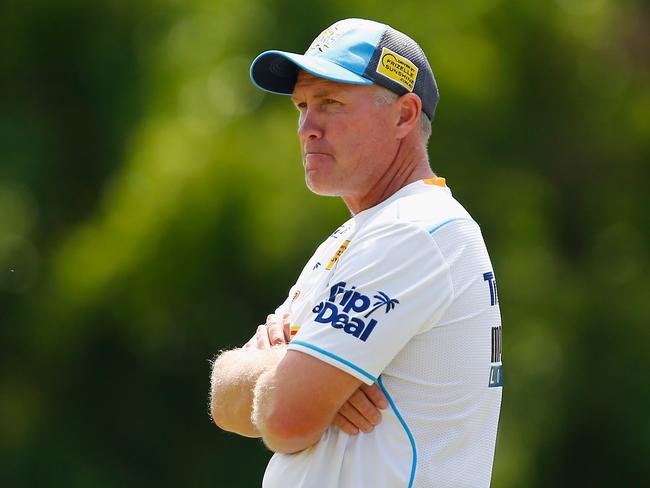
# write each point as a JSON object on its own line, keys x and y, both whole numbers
{"x": 356, "y": 51}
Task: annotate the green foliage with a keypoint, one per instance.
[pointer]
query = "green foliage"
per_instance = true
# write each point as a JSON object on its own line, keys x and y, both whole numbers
{"x": 153, "y": 211}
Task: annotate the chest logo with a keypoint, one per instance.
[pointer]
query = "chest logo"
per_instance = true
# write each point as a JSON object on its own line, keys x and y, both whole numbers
{"x": 343, "y": 304}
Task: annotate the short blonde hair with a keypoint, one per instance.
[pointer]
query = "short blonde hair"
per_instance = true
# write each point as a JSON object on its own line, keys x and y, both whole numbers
{"x": 383, "y": 96}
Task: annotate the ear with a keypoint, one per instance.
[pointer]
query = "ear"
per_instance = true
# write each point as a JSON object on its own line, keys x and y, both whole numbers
{"x": 410, "y": 108}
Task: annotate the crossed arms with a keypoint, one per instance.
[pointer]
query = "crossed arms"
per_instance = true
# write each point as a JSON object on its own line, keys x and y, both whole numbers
{"x": 286, "y": 397}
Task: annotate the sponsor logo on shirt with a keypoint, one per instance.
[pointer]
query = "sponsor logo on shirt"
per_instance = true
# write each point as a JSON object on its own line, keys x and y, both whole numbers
{"x": 295, "y": 296}
{"x": 341, "y": 230}
{"x": 492, "y": 282}
{"x": 496, "y": 368}
{"x": 350, "y": 310}
{"x": 338, "y": 254}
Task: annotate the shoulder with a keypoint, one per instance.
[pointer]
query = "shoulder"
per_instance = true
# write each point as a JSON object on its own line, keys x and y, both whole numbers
{"x": 422, "y": 208}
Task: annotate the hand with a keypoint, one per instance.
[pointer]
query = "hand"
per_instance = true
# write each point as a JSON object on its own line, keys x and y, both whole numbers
{"x": 362, "y": 410}
{"x": 273, "y": 333}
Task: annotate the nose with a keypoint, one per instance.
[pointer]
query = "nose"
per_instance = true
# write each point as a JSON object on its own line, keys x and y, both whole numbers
{"x": 309, "y": 126}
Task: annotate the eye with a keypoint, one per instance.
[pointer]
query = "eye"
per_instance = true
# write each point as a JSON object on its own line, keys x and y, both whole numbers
{"x": 330, "y": 101}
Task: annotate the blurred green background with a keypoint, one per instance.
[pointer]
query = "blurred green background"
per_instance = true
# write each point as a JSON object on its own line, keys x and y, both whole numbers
{"x": 153, "y": 211}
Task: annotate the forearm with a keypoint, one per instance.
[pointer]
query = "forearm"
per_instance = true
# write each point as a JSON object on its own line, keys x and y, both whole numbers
{"x": 281, "y": 428}
{"x": 234, "y": 375}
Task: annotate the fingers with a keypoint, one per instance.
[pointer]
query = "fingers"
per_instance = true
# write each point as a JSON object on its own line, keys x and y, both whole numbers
{"x": 251, "y": 344}
{"x": 362, "y": 410}
{"x": 275, "y": 331}
{"x": 367, "y": 410}
{"x": 375, "y": 395}
{"x": 345, "y": 425}
{"x": 367, "y": 400}
{"x": 286, "y": 322}
{"x": 276, "y": 326}
{"x": 358, "y": 420}
{"x": 262, "y": 337}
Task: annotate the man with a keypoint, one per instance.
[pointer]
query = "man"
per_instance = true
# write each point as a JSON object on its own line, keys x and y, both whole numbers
{"x": 392, "y": 372}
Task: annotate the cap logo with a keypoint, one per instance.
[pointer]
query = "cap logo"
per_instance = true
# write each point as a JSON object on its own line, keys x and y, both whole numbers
{"x": 325, "y": 40}
{"x": 397, "y": 68}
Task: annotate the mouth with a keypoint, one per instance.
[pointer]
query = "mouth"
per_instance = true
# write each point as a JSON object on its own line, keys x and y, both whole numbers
{"x": 315, "y": 156}
{"x": 310, "y": 147}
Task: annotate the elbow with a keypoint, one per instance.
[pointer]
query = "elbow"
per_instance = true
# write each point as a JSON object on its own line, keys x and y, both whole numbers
{"x": 231, "y": 416}
{"x": 286, "y": 421}
{"x": 224, "y": 398}
{"x": 217, "y": 410}
{"x": 231, "y": 413}
{"x": 218, "y": 417}
{"x": 286, "y": 432}
{"x": 224, "y": 408}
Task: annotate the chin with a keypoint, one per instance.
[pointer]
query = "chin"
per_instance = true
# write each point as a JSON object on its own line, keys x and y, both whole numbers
{"x": 320, "y": 187}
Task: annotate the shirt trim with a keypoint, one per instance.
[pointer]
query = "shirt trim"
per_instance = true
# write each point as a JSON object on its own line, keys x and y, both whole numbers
{"x": 334, "y": 356}
{"x": 456, "y": 219}
{"x": 437, "y": 181}
{"x": 406, "y": 429}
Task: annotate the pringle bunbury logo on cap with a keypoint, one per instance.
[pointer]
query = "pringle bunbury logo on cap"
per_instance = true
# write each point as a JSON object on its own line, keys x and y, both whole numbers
{"x": 324, "y": 40}
{"x": 397, "y": 68}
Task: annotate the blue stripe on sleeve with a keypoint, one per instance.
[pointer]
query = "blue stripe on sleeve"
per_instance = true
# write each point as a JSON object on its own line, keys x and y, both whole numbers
{"x": 406, "y": 428}
{"x": 334, "y": 356}
{"x": 442, "y": 224}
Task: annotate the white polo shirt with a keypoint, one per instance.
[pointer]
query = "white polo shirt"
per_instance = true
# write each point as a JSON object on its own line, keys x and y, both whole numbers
{"x": 403, "y": 294}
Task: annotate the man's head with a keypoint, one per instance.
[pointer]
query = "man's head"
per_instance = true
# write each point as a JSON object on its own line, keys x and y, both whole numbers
{"x": 354, "y": 51}
{"x": 366, "y": 96}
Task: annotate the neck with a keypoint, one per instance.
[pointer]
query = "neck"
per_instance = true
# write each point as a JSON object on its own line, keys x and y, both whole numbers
{"x": 409, "y": 164}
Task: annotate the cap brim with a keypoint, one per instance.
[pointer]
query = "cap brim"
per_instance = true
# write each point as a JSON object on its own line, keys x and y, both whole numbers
{"x": 276, "y": 71}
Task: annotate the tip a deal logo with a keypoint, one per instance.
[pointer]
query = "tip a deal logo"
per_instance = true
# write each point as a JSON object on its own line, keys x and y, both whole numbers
{"x": 343, "y": 309}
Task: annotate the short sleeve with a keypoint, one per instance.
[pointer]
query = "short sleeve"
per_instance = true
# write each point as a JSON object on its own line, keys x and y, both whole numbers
{"x": 286, "y": 305}
{"x": 391, "y": 284}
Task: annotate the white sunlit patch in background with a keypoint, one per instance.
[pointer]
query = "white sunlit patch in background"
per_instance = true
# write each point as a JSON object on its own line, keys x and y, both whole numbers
{"x": 199, "y": 77}
{"x": 209, "y": 102}
{"x": 230, "y": 90}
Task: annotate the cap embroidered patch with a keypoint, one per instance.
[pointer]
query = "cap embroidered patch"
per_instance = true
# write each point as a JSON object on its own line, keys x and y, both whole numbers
{"x": 325, "y": 40}
{"x": 397, "y": 68}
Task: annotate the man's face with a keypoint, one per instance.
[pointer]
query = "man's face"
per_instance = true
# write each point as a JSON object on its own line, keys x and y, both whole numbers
{"x": 346, "y": 137}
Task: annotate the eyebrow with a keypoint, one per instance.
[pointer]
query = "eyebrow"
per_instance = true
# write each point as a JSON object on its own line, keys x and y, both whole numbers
{"x": 325, "y": 93}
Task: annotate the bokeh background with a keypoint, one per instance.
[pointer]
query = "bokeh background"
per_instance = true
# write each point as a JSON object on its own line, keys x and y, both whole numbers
{"x": 153, "y": 211}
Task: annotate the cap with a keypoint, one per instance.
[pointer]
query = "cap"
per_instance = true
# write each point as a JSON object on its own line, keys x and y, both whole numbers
{"x": 356, "y": 51}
